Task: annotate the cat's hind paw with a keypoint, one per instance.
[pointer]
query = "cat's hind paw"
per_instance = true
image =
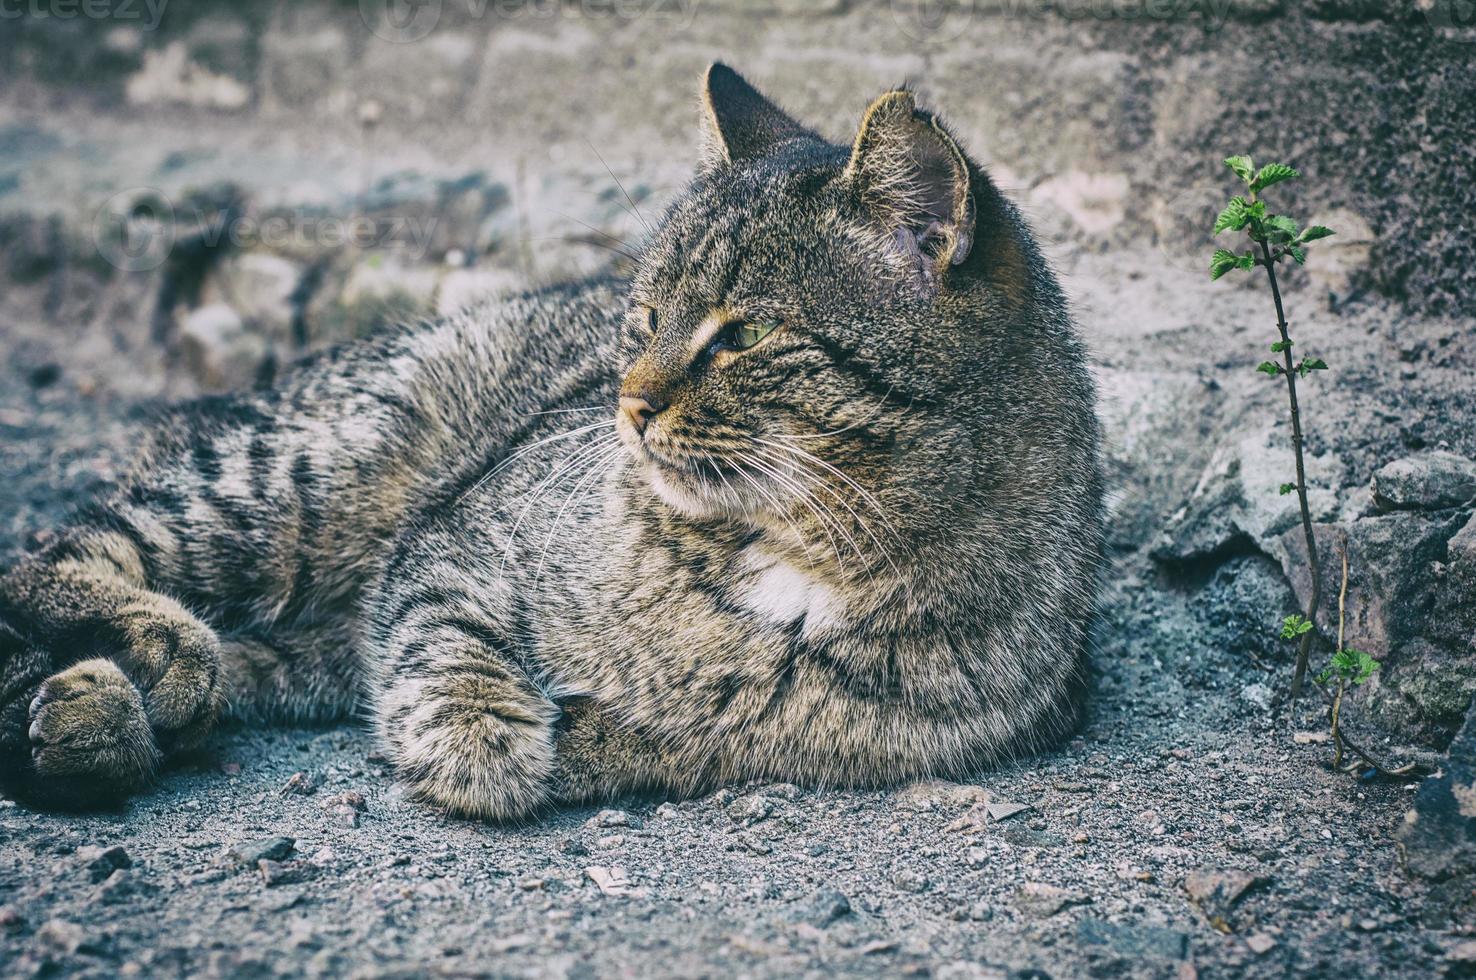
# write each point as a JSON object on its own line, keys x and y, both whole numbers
{"x": 89, "y": 738}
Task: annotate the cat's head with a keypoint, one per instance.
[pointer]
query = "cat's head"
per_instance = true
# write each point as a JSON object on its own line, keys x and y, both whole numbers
{"x": 809, "y": 326}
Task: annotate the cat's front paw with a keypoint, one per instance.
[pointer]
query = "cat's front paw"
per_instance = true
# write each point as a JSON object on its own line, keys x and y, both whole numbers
{"x": 175, "y": 661}
{"x": 474, "y": 745}
{"x": 89, "y": 738}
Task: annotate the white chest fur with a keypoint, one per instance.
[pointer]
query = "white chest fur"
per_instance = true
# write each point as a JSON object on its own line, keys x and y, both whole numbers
{"x": 783, "y": 594}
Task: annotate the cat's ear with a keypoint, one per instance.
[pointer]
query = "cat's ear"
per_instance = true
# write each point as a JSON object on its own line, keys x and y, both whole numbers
{"x": 738, "y": 123}
{"x": 912, "y": 176}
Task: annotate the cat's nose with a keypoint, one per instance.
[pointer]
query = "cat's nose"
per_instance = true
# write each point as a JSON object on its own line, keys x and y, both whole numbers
{"x": 642, "y": 408}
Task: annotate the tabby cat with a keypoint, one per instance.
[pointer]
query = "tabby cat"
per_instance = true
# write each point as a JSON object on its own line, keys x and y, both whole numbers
{"x": 814, "y": 497}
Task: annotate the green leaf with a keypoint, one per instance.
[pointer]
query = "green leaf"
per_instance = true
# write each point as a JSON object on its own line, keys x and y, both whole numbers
{"x": 1353, "y": 666}
{"x": 1243, "y": 167}
{"x": 1309, "y": 364}
{"x": 1222, "y": 262}
{"x": 1256, "y": 210}
{"x": 1270, "y": 367}
{"x": 1246, "y": 261}
{"x": 1315, "y": 232}
{"x": 1294, "y": 626}
{"x": 1234, "y": 216}
{"x": 1280, "y": 346}
{"x": 1286, "y": 488}
{"x": 1271, "y": 173}
{"x": 1297, "y": 254}
{"x": 1366, "y": 666}
{"x": 1280, "y": 228}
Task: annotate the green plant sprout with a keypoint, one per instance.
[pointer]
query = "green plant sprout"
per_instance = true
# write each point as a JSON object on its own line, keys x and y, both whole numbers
{"x": 1348, "y": 668}
{"x": 1274, "y": 238}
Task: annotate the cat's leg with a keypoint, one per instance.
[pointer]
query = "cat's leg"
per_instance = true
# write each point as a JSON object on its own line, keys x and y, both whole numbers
{"x": 233, "y": 511}
{"x": 100, "y": 675}
{"x": 456, "y": 711}
{"x": 599, "y": 757}
{"x": 307, "y": 675}
{"x": 464, "y": 726}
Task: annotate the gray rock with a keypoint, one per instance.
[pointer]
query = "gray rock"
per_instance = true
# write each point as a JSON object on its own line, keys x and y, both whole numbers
{"x": 933, "y": 794}
{"x": 1216, "y": 892}
{"x": 101, "y": 862}
{"x": 274, "y": 873}
{"x": 1132, "y": 940}
{"x": 1426, "y": 481}
{"x": 911, "y": 880}
{"x": 1237, "y": 499}
{"x": 1390, "y": 575}
{"x": 260, "y": 287}
{"x": 122, "y": 886}
{"x": 301, "y": 783}
{"x": 269, "y": 849}
{"x": 1461, "y": 548}
{"x": 1337, "y": 264}
{"x": 749, "y": 810}
{"x": 60, "y": 937}
{"x": 613, "y": 818}
{"x": 378, "y": 279}
{"x": 218, "y": 350}
{"x": 1044, "y": 900}
{"x": 821, "y": 909}
{"x": 1438, "y": 837}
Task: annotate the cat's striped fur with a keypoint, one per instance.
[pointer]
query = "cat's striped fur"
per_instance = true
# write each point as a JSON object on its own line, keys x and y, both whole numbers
{"x": 860, "y": 550}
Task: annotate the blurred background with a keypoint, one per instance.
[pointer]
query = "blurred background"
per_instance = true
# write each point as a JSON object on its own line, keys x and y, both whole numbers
{"x": 193, "y": 195}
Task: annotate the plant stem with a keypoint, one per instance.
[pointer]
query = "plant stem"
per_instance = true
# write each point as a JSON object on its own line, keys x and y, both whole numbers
{"x": 1305, "y": 650}
{"x": 1337, "y": 705}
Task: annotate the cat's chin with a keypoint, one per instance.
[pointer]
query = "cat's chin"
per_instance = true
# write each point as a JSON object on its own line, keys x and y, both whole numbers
{"x": 693, "y": 495}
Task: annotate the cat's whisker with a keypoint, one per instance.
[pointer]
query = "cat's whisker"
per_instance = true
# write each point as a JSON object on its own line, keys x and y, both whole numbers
{"x": 566, "y": 411}
{"x": 571, "y": 460}
{"x": 575, "y": 240}
{"x": 514, "y": 457}
{"x": 800, "y": 471}
{"x": 848, "y": 480}
{"x": 881, "y": 549}
{"x": 633, "y": 248}
{"x": 639, "y": 216}
{"x": 774, "y": 504}
{"x": 596, "y": 467}
{"x": 813, "y": 504}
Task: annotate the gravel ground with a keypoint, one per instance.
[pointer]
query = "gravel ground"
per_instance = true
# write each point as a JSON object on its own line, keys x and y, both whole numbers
{"x": 1184, "y": 832}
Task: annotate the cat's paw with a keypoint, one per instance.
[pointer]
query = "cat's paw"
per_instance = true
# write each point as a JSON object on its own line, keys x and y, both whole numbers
{"x": 89, "y": 737}
{"x": 174, "y": 659}
{"x": 474, "y": 745}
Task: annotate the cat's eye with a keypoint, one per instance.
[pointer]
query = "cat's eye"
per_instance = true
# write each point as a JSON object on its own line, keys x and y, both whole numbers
{"x": 745, "y": 333}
